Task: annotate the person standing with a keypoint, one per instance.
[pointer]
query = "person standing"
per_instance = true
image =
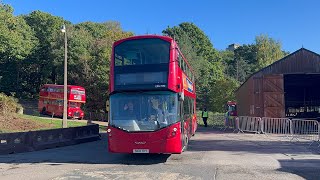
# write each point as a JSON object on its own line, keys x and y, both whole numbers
{"x": 205, "y": 117}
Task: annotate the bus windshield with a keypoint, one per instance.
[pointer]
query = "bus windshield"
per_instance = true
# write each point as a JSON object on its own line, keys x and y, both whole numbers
{"x": 148, "y": 111}
{"x": 142, "y": 51}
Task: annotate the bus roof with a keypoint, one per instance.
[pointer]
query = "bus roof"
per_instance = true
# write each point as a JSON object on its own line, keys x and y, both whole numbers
{"x": 61, "y": 86}
{"x": 166, "y": 38}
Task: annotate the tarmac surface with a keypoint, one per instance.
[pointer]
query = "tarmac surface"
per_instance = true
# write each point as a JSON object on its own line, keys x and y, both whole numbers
{"x": 212, "y": 154}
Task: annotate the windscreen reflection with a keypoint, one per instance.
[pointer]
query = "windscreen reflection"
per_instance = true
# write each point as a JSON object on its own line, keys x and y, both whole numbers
{"x": 143, "y": 111}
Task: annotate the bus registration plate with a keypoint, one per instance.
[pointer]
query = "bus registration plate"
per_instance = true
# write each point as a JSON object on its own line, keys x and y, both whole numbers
{"x": 140, "y": 150}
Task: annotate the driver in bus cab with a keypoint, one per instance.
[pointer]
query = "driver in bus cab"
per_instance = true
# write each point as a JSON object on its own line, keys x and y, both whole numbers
{"x": 156, "y": 112}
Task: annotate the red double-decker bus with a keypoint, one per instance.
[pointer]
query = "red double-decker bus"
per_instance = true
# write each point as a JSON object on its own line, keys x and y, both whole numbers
{"x": 51, "y": 100}
{"x": 152, "y": 97}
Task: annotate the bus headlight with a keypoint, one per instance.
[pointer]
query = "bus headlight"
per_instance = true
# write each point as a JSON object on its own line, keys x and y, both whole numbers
{"x": 174, "y": 131}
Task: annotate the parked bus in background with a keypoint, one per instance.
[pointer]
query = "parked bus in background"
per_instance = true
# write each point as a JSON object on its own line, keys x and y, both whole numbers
{"x": 51, "y": 100}
{"x": 152, "y": 97}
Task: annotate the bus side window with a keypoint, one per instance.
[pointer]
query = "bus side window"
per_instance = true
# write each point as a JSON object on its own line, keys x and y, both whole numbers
{"x": 180, "y": 61}
{"x": 182, "y": 66}
{"x": 118, "y": 60}
{"x": 180, "y": 110}
{"x": 186, "y": 107}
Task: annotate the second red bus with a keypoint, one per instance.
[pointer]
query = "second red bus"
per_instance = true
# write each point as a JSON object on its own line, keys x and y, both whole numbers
{"x": 51, "y": 100}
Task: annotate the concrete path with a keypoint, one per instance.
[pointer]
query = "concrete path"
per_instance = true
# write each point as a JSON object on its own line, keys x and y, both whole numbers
{"x": 212, "y": 154}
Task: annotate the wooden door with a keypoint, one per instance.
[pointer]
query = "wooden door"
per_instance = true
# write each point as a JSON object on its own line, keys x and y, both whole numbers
{"x": 273, "y": 96}
{"x": 257, "y": 108}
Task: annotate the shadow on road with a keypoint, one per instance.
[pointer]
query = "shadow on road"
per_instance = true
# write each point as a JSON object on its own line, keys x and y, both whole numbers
{"x": 259, "y": 147}
{"x": 296, "y": 157}
{"x": 209, "y": 139}
{"x": 87, "y": 153}
{"x": 306, "y": 168}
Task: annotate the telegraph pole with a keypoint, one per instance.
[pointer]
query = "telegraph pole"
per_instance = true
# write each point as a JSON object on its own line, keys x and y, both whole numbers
{"x": 65, "y": 81}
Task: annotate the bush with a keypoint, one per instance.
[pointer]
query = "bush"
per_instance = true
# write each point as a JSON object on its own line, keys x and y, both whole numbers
{"x": 214, "y": 120}
{"x": 8, "y": 105}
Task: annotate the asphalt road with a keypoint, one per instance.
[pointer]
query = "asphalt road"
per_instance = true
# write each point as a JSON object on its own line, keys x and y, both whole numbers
{"x": 212, "y": 154}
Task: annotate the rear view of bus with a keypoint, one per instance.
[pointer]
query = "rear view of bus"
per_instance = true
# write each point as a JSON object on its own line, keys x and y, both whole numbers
{"x": 152, "y": 97}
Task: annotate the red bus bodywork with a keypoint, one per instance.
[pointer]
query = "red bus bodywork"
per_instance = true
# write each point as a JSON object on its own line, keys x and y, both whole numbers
{"x": 51, "y": 100}
{"x": 171, "y": 139}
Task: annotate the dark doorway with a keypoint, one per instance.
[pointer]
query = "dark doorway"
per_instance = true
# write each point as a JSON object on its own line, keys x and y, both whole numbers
{"x": 302, "y": 95}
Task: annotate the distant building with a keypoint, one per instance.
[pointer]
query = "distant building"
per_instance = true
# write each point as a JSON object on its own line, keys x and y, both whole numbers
{"x": 232, "y": 47}
{"x": 287, "y": 88}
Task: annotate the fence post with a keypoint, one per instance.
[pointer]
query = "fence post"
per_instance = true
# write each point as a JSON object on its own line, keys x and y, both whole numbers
{"x": 237, "y": 125}
{"x": 262, "y": 125}
{"x": 291, "y": 129}
{"x": 259, "y": 125}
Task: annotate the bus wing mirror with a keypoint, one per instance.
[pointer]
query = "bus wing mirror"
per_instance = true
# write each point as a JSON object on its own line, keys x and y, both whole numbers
{"x": 181, "y": 96}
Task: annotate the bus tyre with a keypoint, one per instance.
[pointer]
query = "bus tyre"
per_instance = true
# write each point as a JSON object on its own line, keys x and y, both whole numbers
{"x": 43, "y": 111}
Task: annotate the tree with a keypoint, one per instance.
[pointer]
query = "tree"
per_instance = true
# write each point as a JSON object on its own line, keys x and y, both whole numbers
{"x": 245, "y": 61}
{"x": 199, "y": 40}
{"x": 222, "y": 91}
{"x": 268, "y": 51}
{"x": 89, "y": 52}
{"x": 41, "y": 65}
{"x": 250, "y": 58}
{"x": 201, "y": 55}
{"x": 17, "y": 41}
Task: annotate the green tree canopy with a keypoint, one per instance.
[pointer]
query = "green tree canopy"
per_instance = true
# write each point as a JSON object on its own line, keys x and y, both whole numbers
{"x": 17, "y": 42}
{"x": 268, "y": 51}
{"x": 199, "y": 52}
{"x": 89, "y": 52}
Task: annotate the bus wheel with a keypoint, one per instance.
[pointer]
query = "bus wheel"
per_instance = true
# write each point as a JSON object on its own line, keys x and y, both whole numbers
{"x": 43, "y": 111}
{"x": 80, "y": 118}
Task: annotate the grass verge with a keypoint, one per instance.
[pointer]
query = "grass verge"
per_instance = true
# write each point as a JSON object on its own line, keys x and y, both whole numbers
{"x": 55, "y": 123}
{"x": 23, "y": 123}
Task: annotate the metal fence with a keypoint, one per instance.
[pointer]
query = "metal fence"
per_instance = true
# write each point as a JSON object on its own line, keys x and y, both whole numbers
{"x": 275, "y": 126}
{"x": 305, "y": 130}
{"x": 295, "y": 129}
{"x": 249, "y": 124}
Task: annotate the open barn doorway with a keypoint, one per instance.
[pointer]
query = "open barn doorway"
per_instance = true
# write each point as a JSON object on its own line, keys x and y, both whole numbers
{"x": 302, "y": 95}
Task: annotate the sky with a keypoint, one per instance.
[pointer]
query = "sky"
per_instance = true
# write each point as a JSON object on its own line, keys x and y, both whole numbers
{"x": 294, "y": 23}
